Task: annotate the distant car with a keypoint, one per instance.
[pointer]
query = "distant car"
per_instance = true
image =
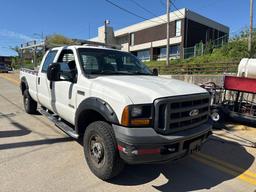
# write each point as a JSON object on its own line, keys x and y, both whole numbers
{"x": 10, "y": 68}
{"x": 3, "y": 68}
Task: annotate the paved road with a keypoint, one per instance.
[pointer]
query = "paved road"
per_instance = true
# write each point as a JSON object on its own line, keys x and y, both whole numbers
{"x": 37, "y": 156}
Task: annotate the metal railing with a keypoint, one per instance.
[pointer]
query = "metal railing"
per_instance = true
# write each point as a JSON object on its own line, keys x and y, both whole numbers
{"x": 201, "y": 48}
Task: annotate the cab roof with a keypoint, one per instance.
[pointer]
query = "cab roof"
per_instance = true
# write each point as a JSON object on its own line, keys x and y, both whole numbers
{"x": 84, "y": 46}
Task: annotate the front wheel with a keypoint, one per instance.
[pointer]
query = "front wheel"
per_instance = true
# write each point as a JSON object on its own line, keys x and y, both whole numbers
{"x": 100, "y": 150}
{"x": 29, "y": 104}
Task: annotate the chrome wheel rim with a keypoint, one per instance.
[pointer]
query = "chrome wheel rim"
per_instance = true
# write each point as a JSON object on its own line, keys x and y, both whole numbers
{"x": 97, "y": 150}
{"x": 215, "y": 116}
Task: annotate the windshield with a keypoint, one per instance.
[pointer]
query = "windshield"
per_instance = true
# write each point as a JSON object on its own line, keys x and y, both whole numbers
{"x": 111, "y": 62}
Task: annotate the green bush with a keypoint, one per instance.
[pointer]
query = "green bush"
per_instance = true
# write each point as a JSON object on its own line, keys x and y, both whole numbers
{"x": 231, "y": 52}
{"x": 59, "y": 39}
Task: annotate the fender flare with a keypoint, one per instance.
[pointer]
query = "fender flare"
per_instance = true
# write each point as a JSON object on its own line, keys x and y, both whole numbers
{"x": 98, "y": 105}
{"x": 23, "y": 80}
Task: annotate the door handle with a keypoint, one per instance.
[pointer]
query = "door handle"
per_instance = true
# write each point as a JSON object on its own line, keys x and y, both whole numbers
{"x": 38, "y": 81}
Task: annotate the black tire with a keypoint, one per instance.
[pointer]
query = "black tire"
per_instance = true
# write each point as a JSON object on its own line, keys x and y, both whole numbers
{"x": 30, "y": 105}
{"x": 217, "y": 118}
{"x": 100, "y": 150}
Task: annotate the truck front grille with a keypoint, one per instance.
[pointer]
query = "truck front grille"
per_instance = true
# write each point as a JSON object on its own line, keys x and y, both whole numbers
{"x": 180, "y": 112}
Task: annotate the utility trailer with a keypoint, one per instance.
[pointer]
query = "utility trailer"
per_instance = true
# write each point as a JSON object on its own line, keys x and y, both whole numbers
{"x": 239, "y": 99}
{"x": 236, "y": 99}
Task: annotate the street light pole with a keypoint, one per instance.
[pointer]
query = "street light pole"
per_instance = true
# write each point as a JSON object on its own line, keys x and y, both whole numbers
{"x": 168, "y": 33}
{"x": 251, "y": 29}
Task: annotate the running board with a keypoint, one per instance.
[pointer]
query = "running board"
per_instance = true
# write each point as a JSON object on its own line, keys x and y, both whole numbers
{"x": 59, "y": 123}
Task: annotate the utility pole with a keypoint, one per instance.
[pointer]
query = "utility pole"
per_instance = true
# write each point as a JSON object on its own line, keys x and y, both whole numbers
{"x": 251, "y": 29}
{"x": 106, "y": 22}
{"x": 168, "y": 33}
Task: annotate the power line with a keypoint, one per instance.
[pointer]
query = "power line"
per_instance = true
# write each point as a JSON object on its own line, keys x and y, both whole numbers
{"x": 173, "y": 4}
{"x": 164, "y": 5}
{"x": 126, "y": 10}
{"x": 148, "y": 11}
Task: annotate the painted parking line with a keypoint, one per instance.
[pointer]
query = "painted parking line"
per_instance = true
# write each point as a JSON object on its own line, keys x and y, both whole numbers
{"x": 242, "y": 174}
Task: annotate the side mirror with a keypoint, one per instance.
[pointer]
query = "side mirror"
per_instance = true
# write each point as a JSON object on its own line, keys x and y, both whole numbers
{"x": 53, "y": 72}
{"x": 155, "y": 72}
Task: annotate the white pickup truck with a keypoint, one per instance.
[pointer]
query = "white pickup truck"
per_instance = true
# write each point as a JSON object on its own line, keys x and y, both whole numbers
{"x": 123, "y": 111}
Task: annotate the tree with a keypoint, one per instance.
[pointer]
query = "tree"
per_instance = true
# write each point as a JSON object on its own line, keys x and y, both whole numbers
{"x": 59, "y": 40}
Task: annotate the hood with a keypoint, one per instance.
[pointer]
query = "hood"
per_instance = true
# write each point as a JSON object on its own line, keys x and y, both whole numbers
{"x": 145, "y": 89}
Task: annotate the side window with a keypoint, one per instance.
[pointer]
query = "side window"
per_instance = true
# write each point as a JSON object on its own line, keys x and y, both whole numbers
{"x": 48, "y": 60}
{"x": 67, "y": 65}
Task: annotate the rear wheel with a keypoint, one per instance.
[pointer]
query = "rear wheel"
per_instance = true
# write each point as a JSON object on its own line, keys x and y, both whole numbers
{"x": 30, "y": 105}
{"x": 100, "y": 150}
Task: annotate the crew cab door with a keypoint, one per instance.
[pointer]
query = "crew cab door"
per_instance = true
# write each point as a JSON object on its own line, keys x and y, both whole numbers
{"x": 63, "y": 92}
{"x": 43, "y": 85}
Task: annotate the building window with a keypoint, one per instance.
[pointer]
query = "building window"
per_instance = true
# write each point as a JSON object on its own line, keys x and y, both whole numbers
{"x": 132, "y": 39}
{"x": 178, "y": 28}
{"x": 143, "y": 55}
{"x": 174, "y": 51}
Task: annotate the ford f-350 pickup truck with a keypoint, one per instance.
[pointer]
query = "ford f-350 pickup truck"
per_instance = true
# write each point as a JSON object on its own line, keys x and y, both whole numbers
{"x": 123, "y": 112}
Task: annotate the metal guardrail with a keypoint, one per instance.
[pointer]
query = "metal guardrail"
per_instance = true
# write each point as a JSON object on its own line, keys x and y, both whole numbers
{"x": 204, "y": 68}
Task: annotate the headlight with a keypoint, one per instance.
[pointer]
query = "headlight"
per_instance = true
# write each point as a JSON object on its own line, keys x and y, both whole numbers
{"x": 136, "y": 111}
{"x": 137, "y": 115}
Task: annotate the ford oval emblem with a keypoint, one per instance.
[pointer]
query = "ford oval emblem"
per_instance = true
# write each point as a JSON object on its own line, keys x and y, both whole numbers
{"x": 194, "y": 113}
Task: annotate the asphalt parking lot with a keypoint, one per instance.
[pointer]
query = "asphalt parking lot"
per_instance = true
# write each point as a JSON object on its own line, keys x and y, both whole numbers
{"x": 37, "y": 156}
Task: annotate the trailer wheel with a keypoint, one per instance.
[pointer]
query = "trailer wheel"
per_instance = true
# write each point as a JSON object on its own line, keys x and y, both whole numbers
{"x": 30, "y": 105}
{"x": 217, "y": 118}
{"x": 100, "y": 150}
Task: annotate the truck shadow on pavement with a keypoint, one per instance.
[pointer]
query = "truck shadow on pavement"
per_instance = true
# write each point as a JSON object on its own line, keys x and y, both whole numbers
{"x": 191, "y": 173}
{"x": 22, "y": 130}
{"x": 35, "y": 143}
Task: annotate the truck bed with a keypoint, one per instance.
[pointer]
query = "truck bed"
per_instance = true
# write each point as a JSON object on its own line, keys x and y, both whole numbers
{"x": 31, "y": 79}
